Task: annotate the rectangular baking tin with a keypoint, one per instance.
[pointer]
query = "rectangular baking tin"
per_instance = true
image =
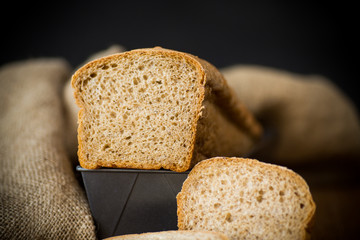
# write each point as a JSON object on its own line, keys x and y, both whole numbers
{"x": 124, "y": 201}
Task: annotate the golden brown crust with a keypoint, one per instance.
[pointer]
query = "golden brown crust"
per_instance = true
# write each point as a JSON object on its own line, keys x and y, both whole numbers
{"x": 228, "y": 102}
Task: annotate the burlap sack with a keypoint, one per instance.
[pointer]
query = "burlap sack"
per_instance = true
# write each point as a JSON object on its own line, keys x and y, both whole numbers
{"x": 307, "y": 117}
{"x": 39, "y": 195}
{"x": 71, "y": 109}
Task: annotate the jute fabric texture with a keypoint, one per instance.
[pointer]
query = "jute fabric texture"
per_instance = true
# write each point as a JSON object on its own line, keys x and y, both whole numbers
{"x": 40, "y": 197}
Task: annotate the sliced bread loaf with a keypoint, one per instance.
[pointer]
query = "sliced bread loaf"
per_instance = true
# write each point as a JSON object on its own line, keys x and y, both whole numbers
{"x": 245, "y": 199}
{"x": 157, "y": 108}
{"x": 174, "y": 235}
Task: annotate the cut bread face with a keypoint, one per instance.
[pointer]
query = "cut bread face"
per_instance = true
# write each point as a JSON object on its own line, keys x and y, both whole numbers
{"x": 146, "y": 108}
{"x": 139, "y": 109}
{"x": 245, "y": 199}
{"x": 176, "y": 235}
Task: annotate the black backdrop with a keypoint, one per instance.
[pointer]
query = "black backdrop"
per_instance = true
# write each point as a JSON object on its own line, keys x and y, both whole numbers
{"x": 298, "y": 36}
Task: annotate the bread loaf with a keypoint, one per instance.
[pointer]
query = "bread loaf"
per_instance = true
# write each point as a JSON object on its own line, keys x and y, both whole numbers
{"x": 173, "y": 235}
{"x": 157, "y": 108}
{"x": 245, "y": 199}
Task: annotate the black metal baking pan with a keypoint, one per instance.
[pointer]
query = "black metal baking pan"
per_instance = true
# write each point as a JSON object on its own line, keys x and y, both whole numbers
{"x": 124, "y": 201}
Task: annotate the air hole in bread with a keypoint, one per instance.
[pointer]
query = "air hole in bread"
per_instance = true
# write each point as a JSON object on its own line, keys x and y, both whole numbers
{"x": 106, "y": 146}
{"x": 113, "y": 114}
{"x": 136, "y": 80}
{"x": 228, "y": 217}
{"x": 85, "y": 82}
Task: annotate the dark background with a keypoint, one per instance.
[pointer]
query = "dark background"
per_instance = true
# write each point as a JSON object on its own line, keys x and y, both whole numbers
{"x": 299, "y": 36}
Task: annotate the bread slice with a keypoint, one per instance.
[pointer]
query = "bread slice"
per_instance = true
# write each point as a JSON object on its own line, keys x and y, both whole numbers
{"x": 245, "y": 199}
{"x": 174, "y": 235}
{"x": 157, "y": 108}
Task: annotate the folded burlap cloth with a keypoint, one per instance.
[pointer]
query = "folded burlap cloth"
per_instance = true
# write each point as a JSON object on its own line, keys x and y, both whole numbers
{"x": 40, "y": 197}
{"x": 308, "y": 119}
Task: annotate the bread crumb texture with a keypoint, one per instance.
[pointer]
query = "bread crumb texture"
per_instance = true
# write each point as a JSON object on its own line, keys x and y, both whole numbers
{"x": 136, "y": 104}
{"x": 245, "y": 199}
